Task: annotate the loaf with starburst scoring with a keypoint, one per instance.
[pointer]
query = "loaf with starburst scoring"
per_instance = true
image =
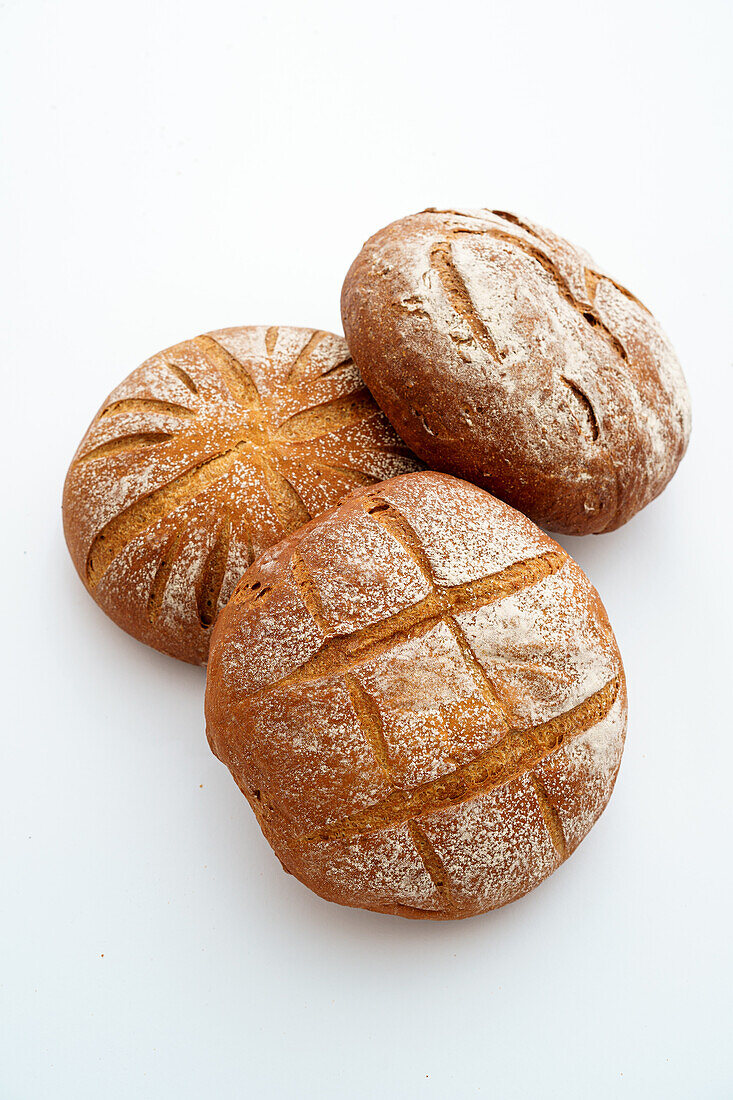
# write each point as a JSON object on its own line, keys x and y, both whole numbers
{"x": 203, "y": 457}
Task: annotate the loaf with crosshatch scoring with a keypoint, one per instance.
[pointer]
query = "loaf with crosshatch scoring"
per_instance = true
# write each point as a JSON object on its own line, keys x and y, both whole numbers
{"x": 422, "y": 699}
{"x": 503, "y": 354}
{"x": 206, "y": 455}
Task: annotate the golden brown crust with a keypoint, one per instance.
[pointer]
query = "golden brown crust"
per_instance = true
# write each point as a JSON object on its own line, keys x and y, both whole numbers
{"x": 422, "y": 699}
{"x": 501, "y": 354}
{"x": 206, "y": 455}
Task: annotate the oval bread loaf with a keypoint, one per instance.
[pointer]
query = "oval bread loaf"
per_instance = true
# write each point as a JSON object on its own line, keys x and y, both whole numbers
{"x": 502, "y": 354}
{"x": 206, "y": 455}
{"x": 422, "y": 699}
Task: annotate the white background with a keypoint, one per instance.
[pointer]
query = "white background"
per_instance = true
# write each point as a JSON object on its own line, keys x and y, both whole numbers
{"x": 170, "y": 168}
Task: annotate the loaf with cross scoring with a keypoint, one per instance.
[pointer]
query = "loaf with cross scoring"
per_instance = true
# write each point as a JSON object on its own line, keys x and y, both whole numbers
{"x": 503, "y": 354}
{"x": 206, "y": 455}
{"x": 421, "y": 697}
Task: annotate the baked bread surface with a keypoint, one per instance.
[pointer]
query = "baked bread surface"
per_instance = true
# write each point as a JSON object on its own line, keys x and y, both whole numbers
{"x": 422, "y": 699}
{"x": 501, "y": 353}
{"x": 206, "y": 455}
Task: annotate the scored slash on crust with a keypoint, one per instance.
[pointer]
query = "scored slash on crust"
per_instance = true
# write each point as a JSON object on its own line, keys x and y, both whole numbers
{"x": 146, "y": 405}
{"x": 132, "y": 442}
{"x": 162, "y": 574}
{"x": 456, "y": 291}
{"x": 212, "y": 577}
{"x": 345, "y": 652}
{"x": 587, "y": 411}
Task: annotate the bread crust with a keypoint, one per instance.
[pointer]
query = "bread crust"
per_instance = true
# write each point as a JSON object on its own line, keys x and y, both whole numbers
{"x": 203, "y": 457}
{"x": 422, "y": 699}
{"x": 502, "y": 354}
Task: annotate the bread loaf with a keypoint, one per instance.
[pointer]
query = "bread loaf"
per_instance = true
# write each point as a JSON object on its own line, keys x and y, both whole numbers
{"x": 422, "y": 699}
{"x": 504, "y": 355}
{"x": 206, "y": 455}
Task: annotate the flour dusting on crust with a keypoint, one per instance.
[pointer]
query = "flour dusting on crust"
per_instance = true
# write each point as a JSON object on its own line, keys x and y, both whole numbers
{"x": 464, "y": 732}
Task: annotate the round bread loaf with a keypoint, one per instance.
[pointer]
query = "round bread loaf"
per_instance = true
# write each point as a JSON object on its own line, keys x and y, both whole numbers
{"x": 422, "y": 699}
{"x": 502, "y": 354}
{"x": 207, "y": 454}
